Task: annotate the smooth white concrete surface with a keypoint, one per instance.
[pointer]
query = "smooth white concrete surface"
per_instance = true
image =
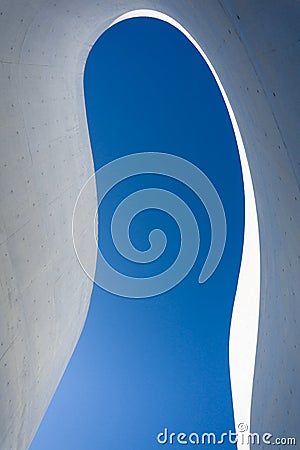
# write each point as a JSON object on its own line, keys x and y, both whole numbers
{"x": 45, "y": 159}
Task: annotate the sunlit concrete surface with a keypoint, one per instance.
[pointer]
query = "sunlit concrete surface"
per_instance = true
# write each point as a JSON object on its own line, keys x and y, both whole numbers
{"x": 45, "y": 158}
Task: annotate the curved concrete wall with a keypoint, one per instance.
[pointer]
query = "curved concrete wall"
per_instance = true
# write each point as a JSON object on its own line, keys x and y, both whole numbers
{"x": 45, "y": 159}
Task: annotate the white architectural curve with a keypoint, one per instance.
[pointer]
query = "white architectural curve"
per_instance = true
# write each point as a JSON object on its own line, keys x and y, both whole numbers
{"x": 45, "y": 159}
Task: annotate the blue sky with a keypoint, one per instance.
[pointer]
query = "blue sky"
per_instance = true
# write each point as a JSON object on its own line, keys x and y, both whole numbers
{"x": 143, "y": 365}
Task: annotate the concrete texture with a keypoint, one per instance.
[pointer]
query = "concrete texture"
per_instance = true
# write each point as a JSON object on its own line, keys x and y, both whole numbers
{"x": 45, "y": 158}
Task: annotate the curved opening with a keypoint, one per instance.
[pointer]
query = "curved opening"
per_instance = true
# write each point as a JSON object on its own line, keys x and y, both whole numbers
{"x": 244, "y": 323}
{"x": 243, "y": 331}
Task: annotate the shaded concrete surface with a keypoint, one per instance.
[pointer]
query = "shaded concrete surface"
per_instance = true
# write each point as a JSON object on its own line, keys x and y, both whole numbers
{"x": 45, "y": 158}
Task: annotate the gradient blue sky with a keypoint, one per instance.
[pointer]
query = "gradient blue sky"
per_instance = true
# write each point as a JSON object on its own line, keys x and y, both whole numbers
{"x": 143, "y": 365}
